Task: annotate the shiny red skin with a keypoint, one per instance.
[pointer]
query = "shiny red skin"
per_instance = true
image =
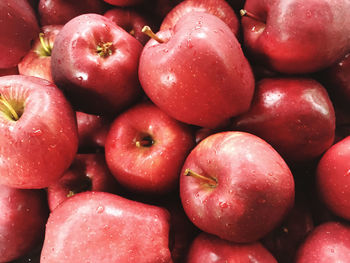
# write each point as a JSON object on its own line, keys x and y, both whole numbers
{"x": 131, "y": 21}
{"x": 211, "y": 249}
{"x": 254, "y": 191}
{"x": 92, "y": 130}
{"x": 88, "y": 172}
{"x": 22, "y": 221}
{"x": 96, "y": 84}
{"x": 191, "y": 78}
{"x": 329, "y": 242}
{"x": 18, "y": 28}
{"x": 294, "y": 115}
{"x": 41, "y": 145}
{"x": 154, "y": 169}
{"x": 297, "y": 36}
{"x": 36, "y": 63}
{"x": 219, "y": 8}
{"x": 102, "y": 227}
{"x": 59, "y": 12}
{"x": 333, "y": 178}
{"x": 123, "y": 2}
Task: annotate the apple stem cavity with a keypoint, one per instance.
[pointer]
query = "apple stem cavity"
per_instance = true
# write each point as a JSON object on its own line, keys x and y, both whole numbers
{"x": 7, "y": 109}
{"x": 148, "y": 31}
{"x": 46, "y": 47}
{"x": 146, "y": 141}
{"x": 212, "y": 182}
{"x": 104, "y": 49}
{"x": 246, "y": 13}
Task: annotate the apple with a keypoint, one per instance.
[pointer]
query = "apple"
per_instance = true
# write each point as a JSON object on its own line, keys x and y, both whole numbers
{"x": 59, "y": 12}
{"x": 236, "y": 186}
{"x": 102, "y": 227}
{"x": 197, "y": 73}
{"x": 145, "y": 149}
{"x": 88, "y": 172}
{"x": 95, "y": 62}
{"x": 296, "y": 36}
{"x": 328, "y": 242}
{"x": 207, "y": 248}
{"x": 18, "y": 28}
{"x": 37, "y": 62}
{"x": 38, "y": 132}
{"x": 294, "y": 115}
{"x": 219, "y": 8}
{"x": 22, "y": 221}
{"x": 9, "y": 71}
{"x": 124, "y": 2}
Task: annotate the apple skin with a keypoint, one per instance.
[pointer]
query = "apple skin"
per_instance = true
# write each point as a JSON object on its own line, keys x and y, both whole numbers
{"x": 328, "y": 242}
{"x": 254, "y": 187}
{"x": 88, "y": 172}
{"x": 297, "y": 36}
{"x": 207, "y": 248}
{"x": 153, "y": 168}
{"x": 37, "y": 62}
{"x": 333, "y": 178}
{"x": 199, "y": 75}
{"x": 123, "y": 2}
{"x": 294, "y": 115}
{"x": 42, "y": 143}
{"x": 18, "y": 28}
{"x": 59, "y": 12}
{"x": 9, "y": 71}
{"x": 102, "y": 227}
{"x": 22, "y": 221}
{"x": 219, "y": 8}
{"x": 96, "y": 83}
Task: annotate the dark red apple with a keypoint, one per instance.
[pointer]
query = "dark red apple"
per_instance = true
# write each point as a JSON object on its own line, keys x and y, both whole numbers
{"x": 18, "y": 28}
{"x": 236, "y": 186}
{"x": 145, "y": 149}
{"x": 37, "y": 62}
{"x": 211, "y": 249}
{"x": 22, "y": 221}
{"x": 327, "y": 243}
{"x": 102, "y": 227}
{"x": 9, "y": 71}
{"x": 124, "y": 2}
{"x": 219, "y": 8}
{"x": 38, "y": 132}
{"x": 294, "y": 115}
{"x": 88, "y": 172}
{"x": 297, "y": 36}
{"x": 59, "y": 12}
{"x": 199, "y": 74}
{"x": 95, "y": 62}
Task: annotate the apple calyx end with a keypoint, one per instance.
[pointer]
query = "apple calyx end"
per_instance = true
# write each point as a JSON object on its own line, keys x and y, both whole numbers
{"x": 8, "y": 110}
{"x": 104, "y": 49}
{"x": 210, "y": 181}
{"x": 45, "y": 45}
{"x": 145, "y": 141}
{"x": 148, "y": 31}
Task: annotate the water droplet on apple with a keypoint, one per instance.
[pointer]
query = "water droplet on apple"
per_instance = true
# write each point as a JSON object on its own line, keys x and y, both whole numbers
{"x": 166, "y": 50}
{"x": 37, "y": 132}
{"x": 189, "y": 43}
{"x": 223, "y": 204}
{"x": 100, "y": 209}
{"x": 262, "y": 201}
{"x": 347, "y": 173}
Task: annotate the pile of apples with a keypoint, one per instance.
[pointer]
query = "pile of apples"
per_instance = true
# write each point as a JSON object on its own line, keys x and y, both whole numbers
{"x": 156, "y": 131}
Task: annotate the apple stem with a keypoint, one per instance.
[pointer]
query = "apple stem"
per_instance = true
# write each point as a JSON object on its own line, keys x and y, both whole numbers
{"x": 246, "y": 13}
{"x": 104, "y": 49}
{"x": 148, "y": 31}
{"x": 45, "y": 45}
{"x": 132, "y": 32}
{"x": 9, "y": 107}
{"x": 209, "y": 180}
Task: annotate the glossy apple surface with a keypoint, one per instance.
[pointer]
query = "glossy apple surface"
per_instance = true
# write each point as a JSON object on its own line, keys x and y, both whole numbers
{"x": 102, "y": 227}
{"x": 294, "y": 115}
{"x": 244, "y": 188}
{"x": 123, "y": 2}
{"x": 145, "y": 149}
{"x": 18, "y": 28}
{"x": 199, "y": 75}
{"x": 95, "y": 62}
{"x": 42, "y": 141}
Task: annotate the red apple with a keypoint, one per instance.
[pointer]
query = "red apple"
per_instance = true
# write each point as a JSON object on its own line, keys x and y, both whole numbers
{"x": 102, "y": 227}
{"x": 95, "y": 62}
{"x": 219, "y": 8}
{"x": 211, "y": 249}
{"x": 145, "y": 149}
{"x": 198, "y": 75}
{"x": 38, "y": 132}
{"x": 9, "y": 71}
{"x": 22, "y": 221}
{"x": 88, "y": 172}
{"x": 294, "y": 115}
{"x": 297, "y": 36}
{"x": 123, "y": 2}
{"x": 18, "y": 28}
{"x": 236, "y": 186}
{"x": 37, "y": 62}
